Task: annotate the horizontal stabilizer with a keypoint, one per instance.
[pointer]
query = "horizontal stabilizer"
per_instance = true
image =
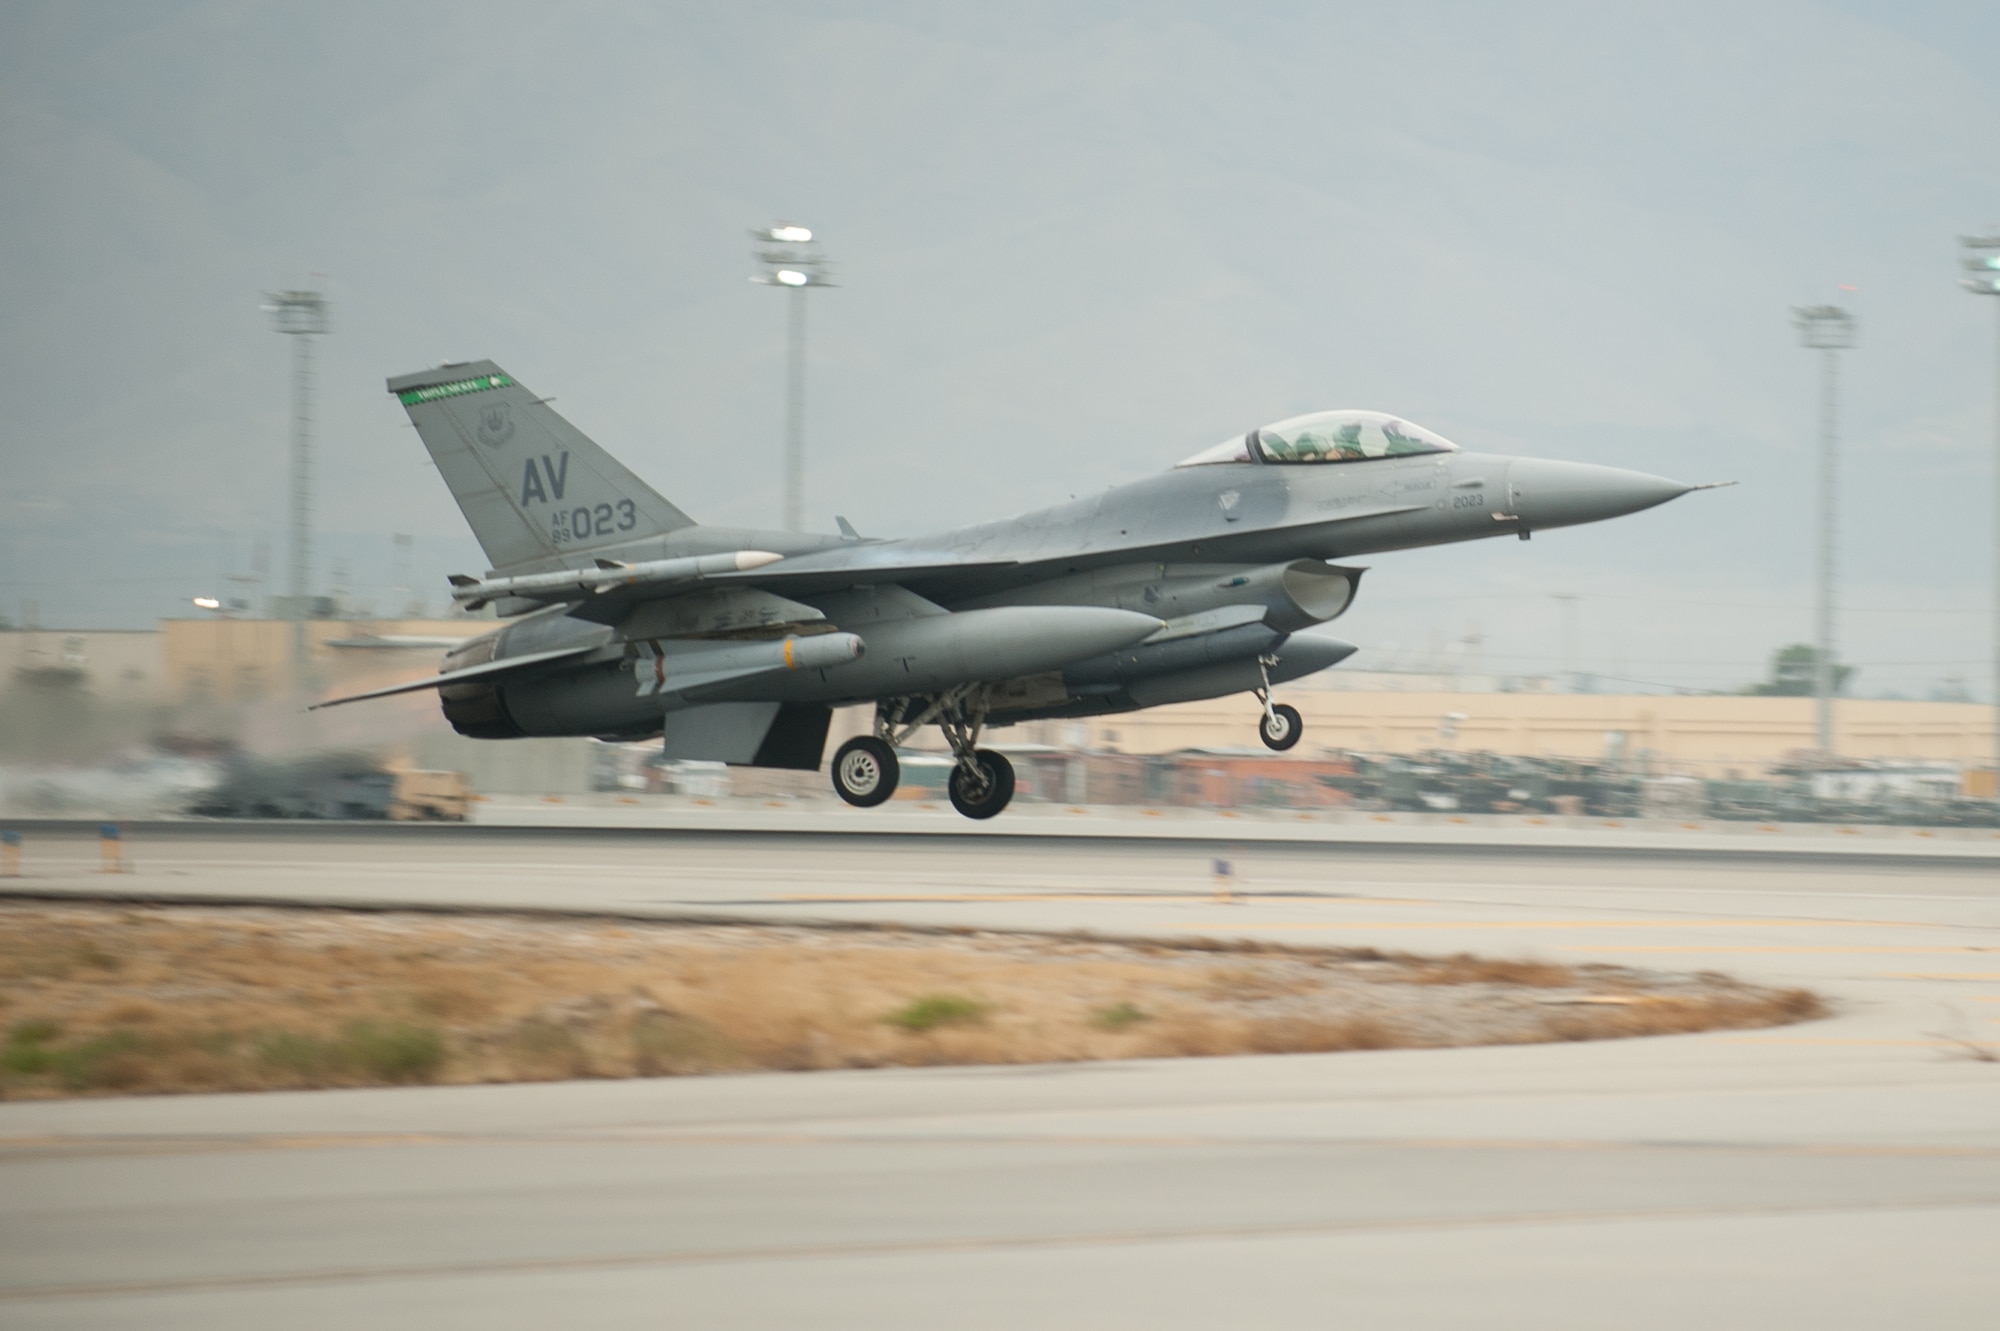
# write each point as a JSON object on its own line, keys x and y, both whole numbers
{"x": 487, "y": 671}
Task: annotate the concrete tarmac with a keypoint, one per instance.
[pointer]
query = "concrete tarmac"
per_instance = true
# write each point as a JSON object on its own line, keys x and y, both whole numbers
{"x": 1326, "y": 827}
{"x": 1844, "y": 1173}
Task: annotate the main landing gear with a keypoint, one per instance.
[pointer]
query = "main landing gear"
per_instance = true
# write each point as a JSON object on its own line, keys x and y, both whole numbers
{"x": 982, "y": 784}
{"x": 865, "y": 770}
{"x": 1282, "y": 725}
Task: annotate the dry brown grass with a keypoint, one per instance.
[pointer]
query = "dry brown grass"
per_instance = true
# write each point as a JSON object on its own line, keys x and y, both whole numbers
{"x": 1733, "y": 1007}
{"x": 1464, "y": 968}
{"x": 96, "y": 1000}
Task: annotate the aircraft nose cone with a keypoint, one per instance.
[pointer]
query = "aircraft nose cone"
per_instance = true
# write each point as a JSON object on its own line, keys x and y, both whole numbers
{"x": 1562, "y": 494}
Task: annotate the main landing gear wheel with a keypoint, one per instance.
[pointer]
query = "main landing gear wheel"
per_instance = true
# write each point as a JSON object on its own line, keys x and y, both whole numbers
{"x": 1281, "y": 727}
{"x": 865, "y": 772}
{"x": 986, "y": 793}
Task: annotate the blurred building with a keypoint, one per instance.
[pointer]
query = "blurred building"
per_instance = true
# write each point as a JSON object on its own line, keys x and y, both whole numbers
{"x": 565, "y": 766}
{"x": 105, "y": 662}
{"x": 1709, "y": 736}
{"x": 243, "y": 667}
{"x": 87, "y": 698}
{"x": 227, "y": 660}
{"x": 1217, "y": 778}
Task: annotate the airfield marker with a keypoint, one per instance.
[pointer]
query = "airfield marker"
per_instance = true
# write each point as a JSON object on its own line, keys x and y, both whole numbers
{"x": 110, "y": 849}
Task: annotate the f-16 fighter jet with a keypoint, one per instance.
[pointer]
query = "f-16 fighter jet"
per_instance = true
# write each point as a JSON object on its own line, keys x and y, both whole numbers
{"x": 627, "y": 620}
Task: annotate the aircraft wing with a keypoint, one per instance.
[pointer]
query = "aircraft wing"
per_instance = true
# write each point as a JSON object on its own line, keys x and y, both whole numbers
{"x": 804, "y": 575}
{"x": 487, "y": 671}
{"x": 835, "y": 570}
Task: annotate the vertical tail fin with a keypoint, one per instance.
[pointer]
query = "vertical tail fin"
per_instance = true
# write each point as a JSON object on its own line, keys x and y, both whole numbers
{"x": 531, "y": 485}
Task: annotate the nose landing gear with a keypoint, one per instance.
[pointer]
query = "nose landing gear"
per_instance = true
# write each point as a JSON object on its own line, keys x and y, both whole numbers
{"x": 1282, "y": 725}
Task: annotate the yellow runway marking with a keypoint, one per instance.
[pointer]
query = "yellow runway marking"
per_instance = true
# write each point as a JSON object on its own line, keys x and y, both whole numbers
{"x": 1560, "y": 924}
{"x": 861, "y": 896}
{"x": 1836, "y": 1040}
{"x": 1753, "y": 948}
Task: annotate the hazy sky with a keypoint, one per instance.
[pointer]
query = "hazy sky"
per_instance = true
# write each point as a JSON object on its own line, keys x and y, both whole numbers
{"x": 1076, "y": 242}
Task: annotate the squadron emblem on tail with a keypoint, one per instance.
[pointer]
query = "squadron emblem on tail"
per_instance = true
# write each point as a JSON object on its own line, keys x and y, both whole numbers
{"x": 496, "y": 425}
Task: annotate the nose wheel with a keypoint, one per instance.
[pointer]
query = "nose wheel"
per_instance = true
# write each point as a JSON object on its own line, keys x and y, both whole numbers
{"x": 865, "y": 771}
{"x": 1281, "y": 727}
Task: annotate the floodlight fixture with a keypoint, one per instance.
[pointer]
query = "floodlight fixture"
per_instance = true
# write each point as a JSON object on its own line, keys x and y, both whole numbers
{"x": 1824, "y": 327}
{"x": 1982, "y": 264}
{"x": 791, "y": 258}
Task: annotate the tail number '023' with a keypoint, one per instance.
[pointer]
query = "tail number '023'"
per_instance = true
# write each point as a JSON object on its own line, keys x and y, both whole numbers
{"x": 580, "y": 524}
{"x": 1468, "y": 501}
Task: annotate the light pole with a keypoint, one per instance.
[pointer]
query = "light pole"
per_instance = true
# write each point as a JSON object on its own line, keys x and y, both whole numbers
{"x": 1829, "y": 330}
{"x": 1982, "y": 262}
{"x": 792, "y": 259}
{"x": 303, "y": 315}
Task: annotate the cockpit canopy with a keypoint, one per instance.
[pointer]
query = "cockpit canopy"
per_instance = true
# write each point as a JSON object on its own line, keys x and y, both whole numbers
{"x": 1326, "y": 436}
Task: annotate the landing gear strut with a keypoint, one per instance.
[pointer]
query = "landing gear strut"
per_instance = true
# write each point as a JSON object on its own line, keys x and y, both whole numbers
{"x": 981, "y": 781}
{"x": 1282, "y": 725}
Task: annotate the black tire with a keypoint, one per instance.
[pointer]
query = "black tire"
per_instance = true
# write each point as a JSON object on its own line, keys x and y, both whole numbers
{"x": 999, "y": 786}
{"x": 1288, "y": 730}
{"x": 865, "y": 772}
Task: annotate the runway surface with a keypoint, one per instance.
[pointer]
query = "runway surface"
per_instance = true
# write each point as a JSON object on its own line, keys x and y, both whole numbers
{"x": 1843, "y": 1173}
